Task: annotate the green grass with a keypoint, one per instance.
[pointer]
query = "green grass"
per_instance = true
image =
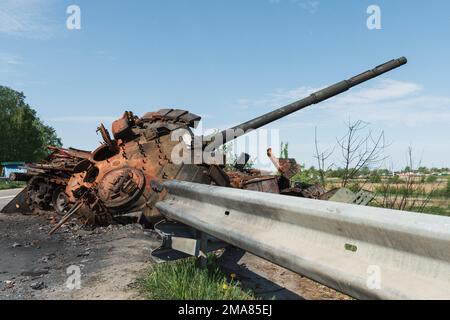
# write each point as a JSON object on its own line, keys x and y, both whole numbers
{"x": 443, "y": 193}
{"x": 440, "y": 211}
{"x": 4, "y": 184}
{"x": 443, "y": 210}
{"x": 182, "y": 280}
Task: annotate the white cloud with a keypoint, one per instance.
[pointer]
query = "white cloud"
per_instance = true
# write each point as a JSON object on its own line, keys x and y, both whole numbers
{"x": 26, "y": 18}
{"x": 383, "y": 90}
{"x": 309, "y": 5}
{"x": 389, "y": 101}
{"x": 82, "y": 119}
{"x": 393, "y": 103}
{"x": 278, "y": 98}
{"x": 8, "y": 59}
{"x": 404, "y": 110}
{"x": 9, "y": 62}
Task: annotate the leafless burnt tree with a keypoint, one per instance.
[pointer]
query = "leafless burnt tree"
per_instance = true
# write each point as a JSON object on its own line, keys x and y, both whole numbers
{"x": 360, "y": 150}
{"x": 322, "y": 156}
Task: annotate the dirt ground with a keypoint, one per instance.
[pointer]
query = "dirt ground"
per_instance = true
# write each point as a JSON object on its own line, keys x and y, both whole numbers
{"x": 34, "y": 265}
{"x": 269, "y": 281}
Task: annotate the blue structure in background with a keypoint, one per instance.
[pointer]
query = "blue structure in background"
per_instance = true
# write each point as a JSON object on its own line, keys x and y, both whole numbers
{"x": 9, "y": 167}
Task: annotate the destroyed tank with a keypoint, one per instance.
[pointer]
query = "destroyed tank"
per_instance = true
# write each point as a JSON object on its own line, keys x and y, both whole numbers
{"x": 125, "y": 174}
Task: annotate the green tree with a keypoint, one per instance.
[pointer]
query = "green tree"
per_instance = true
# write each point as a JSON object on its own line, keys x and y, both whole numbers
{"x": 375, "y": 177}
{"x": 394, "y": 179}
{"x": 309, "y": 176}
{"x": 284, "y": 150}
{"x": 385, "y": 172}
{"x": 23, "y": 136}
{"x": 423, "y": 170}
{"x": 431, "y": 179}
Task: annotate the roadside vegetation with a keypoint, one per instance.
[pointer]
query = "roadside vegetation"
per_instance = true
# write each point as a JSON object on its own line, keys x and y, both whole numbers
{"x": 24, "y": 136}
{"x": 358, "y": 162}
{"x": 5, "y": 184}
{"x": 399, "y": 191}
{"x": 183, "y": 280}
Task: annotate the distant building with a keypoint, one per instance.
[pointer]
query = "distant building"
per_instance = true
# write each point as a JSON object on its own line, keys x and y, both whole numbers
{"x": 407, "y": 174}
{"x": 10, "y": 167}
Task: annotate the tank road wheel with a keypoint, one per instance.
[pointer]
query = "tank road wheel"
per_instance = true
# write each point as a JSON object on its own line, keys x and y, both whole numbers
{"x": 39, "y": 194}
{"x": 60, "y": 201}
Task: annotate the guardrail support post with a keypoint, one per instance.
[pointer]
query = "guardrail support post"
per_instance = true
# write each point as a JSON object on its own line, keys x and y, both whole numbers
{"x": 202, "y": 257}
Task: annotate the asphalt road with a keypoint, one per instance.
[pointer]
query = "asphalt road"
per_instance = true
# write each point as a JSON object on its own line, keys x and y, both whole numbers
{"x": 7, "y": 195}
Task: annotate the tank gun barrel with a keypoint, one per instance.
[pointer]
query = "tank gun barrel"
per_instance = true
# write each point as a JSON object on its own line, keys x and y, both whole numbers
{"x": 317, "y": 97}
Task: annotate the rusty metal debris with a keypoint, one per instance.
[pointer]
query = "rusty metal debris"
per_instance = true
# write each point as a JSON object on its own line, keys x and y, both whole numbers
{"x": 256, "y": 180}
{"x": 124, "y": 173}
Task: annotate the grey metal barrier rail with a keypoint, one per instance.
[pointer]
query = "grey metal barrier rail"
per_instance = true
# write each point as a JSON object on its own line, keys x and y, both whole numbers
{"x": 365, "y": 252}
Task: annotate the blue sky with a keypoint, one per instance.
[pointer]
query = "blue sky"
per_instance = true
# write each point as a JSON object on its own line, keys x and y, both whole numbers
{"x": 231, "y": 60}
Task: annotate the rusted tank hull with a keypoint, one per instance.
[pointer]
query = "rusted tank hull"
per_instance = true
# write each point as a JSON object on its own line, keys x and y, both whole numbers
{"x": 125, "y": 173}
{"x": 121, "y": 176}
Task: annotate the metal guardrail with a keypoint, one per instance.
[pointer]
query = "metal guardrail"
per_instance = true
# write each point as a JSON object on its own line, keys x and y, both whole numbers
{"x": 365, "y": 252}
